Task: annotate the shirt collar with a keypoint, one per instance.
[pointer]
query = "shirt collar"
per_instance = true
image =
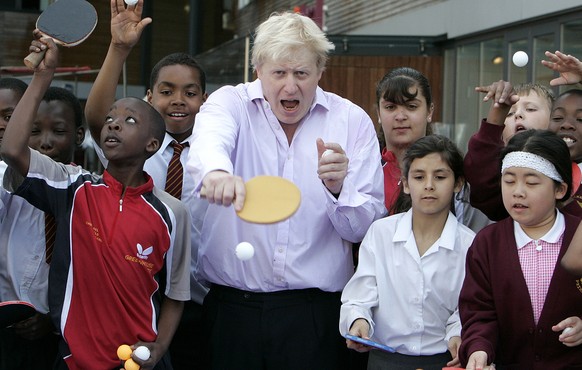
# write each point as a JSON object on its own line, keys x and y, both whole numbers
{"x": 404, "y": 229}
{"x": 168, "y": 139}
{"x": 446, "y": 240}
{"x": 117, "y": 187}
{"x": 388, "y": 156}
{"x": 552, "y": 236}
{"x": 255, "y": 90}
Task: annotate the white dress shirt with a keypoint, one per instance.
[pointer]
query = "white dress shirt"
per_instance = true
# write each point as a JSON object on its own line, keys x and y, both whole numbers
{"x": 3, "y": 167}
{"x": 23, "y": 270}
{"x": 236, "y": 131}
{"x": 411, "y": 302}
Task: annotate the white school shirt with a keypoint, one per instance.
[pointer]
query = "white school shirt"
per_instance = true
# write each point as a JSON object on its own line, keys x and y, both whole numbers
{"x": 23, "y": 270}
{"x": 411, "y": 302}
{"x": 157, "y": 167}
{"x": 236, "y": 131}
{"x": 3, "y": 167}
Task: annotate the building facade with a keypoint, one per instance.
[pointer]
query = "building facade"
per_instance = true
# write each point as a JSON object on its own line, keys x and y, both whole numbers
{"x": 458, "y": 44}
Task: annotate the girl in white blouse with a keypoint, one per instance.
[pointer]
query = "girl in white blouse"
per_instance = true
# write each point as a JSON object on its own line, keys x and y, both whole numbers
{"x": 405, "y": 291}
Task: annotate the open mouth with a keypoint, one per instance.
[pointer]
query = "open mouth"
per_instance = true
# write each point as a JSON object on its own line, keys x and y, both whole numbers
{"x": 290, "y": 105}
{"x": 178, "y": 115}
{"x": 111, "y": 140}
{"x": 569, "y": 140}
{"x": 519, "y": 206}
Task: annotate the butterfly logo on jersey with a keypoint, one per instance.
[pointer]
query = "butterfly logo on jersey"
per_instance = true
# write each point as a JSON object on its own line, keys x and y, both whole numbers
{"x": 144, "y": 253}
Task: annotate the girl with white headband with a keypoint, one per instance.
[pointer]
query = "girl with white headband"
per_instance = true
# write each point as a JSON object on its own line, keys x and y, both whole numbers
{"x": 519, "y": 307}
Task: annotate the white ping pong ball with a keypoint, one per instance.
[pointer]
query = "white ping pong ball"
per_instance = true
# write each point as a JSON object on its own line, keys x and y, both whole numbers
{"x": 327, "y": 152}
{"x": 142, "y": 352}
{"x": 568, "y": 329}
{"x": 244, "y": 251}
{"x": 131, "y": 2}
{"x": 520, "y": 58}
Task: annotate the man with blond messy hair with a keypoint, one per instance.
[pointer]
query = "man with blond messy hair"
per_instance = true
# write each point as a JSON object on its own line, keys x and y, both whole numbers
{"x": 280, "y": 309}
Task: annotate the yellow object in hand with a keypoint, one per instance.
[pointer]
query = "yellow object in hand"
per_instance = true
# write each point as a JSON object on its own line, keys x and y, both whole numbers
{"x": 124, "y": 352}
{"x": 131, "y": 365}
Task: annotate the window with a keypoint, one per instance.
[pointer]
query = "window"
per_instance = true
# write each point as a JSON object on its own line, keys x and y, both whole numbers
{"x": 243, "y": 3}
{"x": 486, "y": 58}
{"x": 478, "y": 64}
{"x": 570, "y": 42}
{"x": 541, "y": 44}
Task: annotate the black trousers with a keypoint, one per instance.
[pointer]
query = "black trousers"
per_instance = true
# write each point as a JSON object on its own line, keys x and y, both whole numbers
{"x": 186, "y": 349}
{"x": 293, "y": 329}
{"x": 17, "y": 353}
{"x": 380, "y": 360}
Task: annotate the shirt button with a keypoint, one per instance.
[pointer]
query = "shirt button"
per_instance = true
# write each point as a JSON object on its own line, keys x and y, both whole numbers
{"x": 280, "y": 250}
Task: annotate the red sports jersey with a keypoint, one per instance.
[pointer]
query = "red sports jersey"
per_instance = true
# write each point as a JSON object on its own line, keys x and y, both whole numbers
{"x": 113, "y": 246}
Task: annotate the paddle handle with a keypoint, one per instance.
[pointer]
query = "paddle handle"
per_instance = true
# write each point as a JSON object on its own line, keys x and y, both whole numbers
{"x": 33, "y": 59}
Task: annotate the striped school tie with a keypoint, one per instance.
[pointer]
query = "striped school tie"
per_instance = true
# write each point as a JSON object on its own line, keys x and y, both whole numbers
{"x": 50, "y": 230}
{"x": 175, "y": 175}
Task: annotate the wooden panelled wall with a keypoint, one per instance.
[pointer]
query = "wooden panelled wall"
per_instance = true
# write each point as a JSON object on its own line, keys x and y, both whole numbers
{"x": 355, "y": 78}
{"x": 169, "y": 34}
{"x": 15, "y": 28}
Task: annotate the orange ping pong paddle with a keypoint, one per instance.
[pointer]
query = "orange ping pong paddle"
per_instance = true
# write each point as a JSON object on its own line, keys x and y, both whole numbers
{"x": 268, "y": 200}
{"x": 67, "y": 22}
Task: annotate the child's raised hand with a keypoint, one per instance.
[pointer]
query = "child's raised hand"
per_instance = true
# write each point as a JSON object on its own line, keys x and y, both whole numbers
{"x": 126, "y": 23}
{"x": 503, "y": 96}
{"x": 568, "y": 66}
{"x": 500, "y": 92}
{"x": 571, "y": 329}
{"x": 40, "y": 43}
{"x": 360, "y": 328}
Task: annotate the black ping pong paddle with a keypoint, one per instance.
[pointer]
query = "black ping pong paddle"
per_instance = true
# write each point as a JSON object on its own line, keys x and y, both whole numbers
{"x": 67, "y": 22}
